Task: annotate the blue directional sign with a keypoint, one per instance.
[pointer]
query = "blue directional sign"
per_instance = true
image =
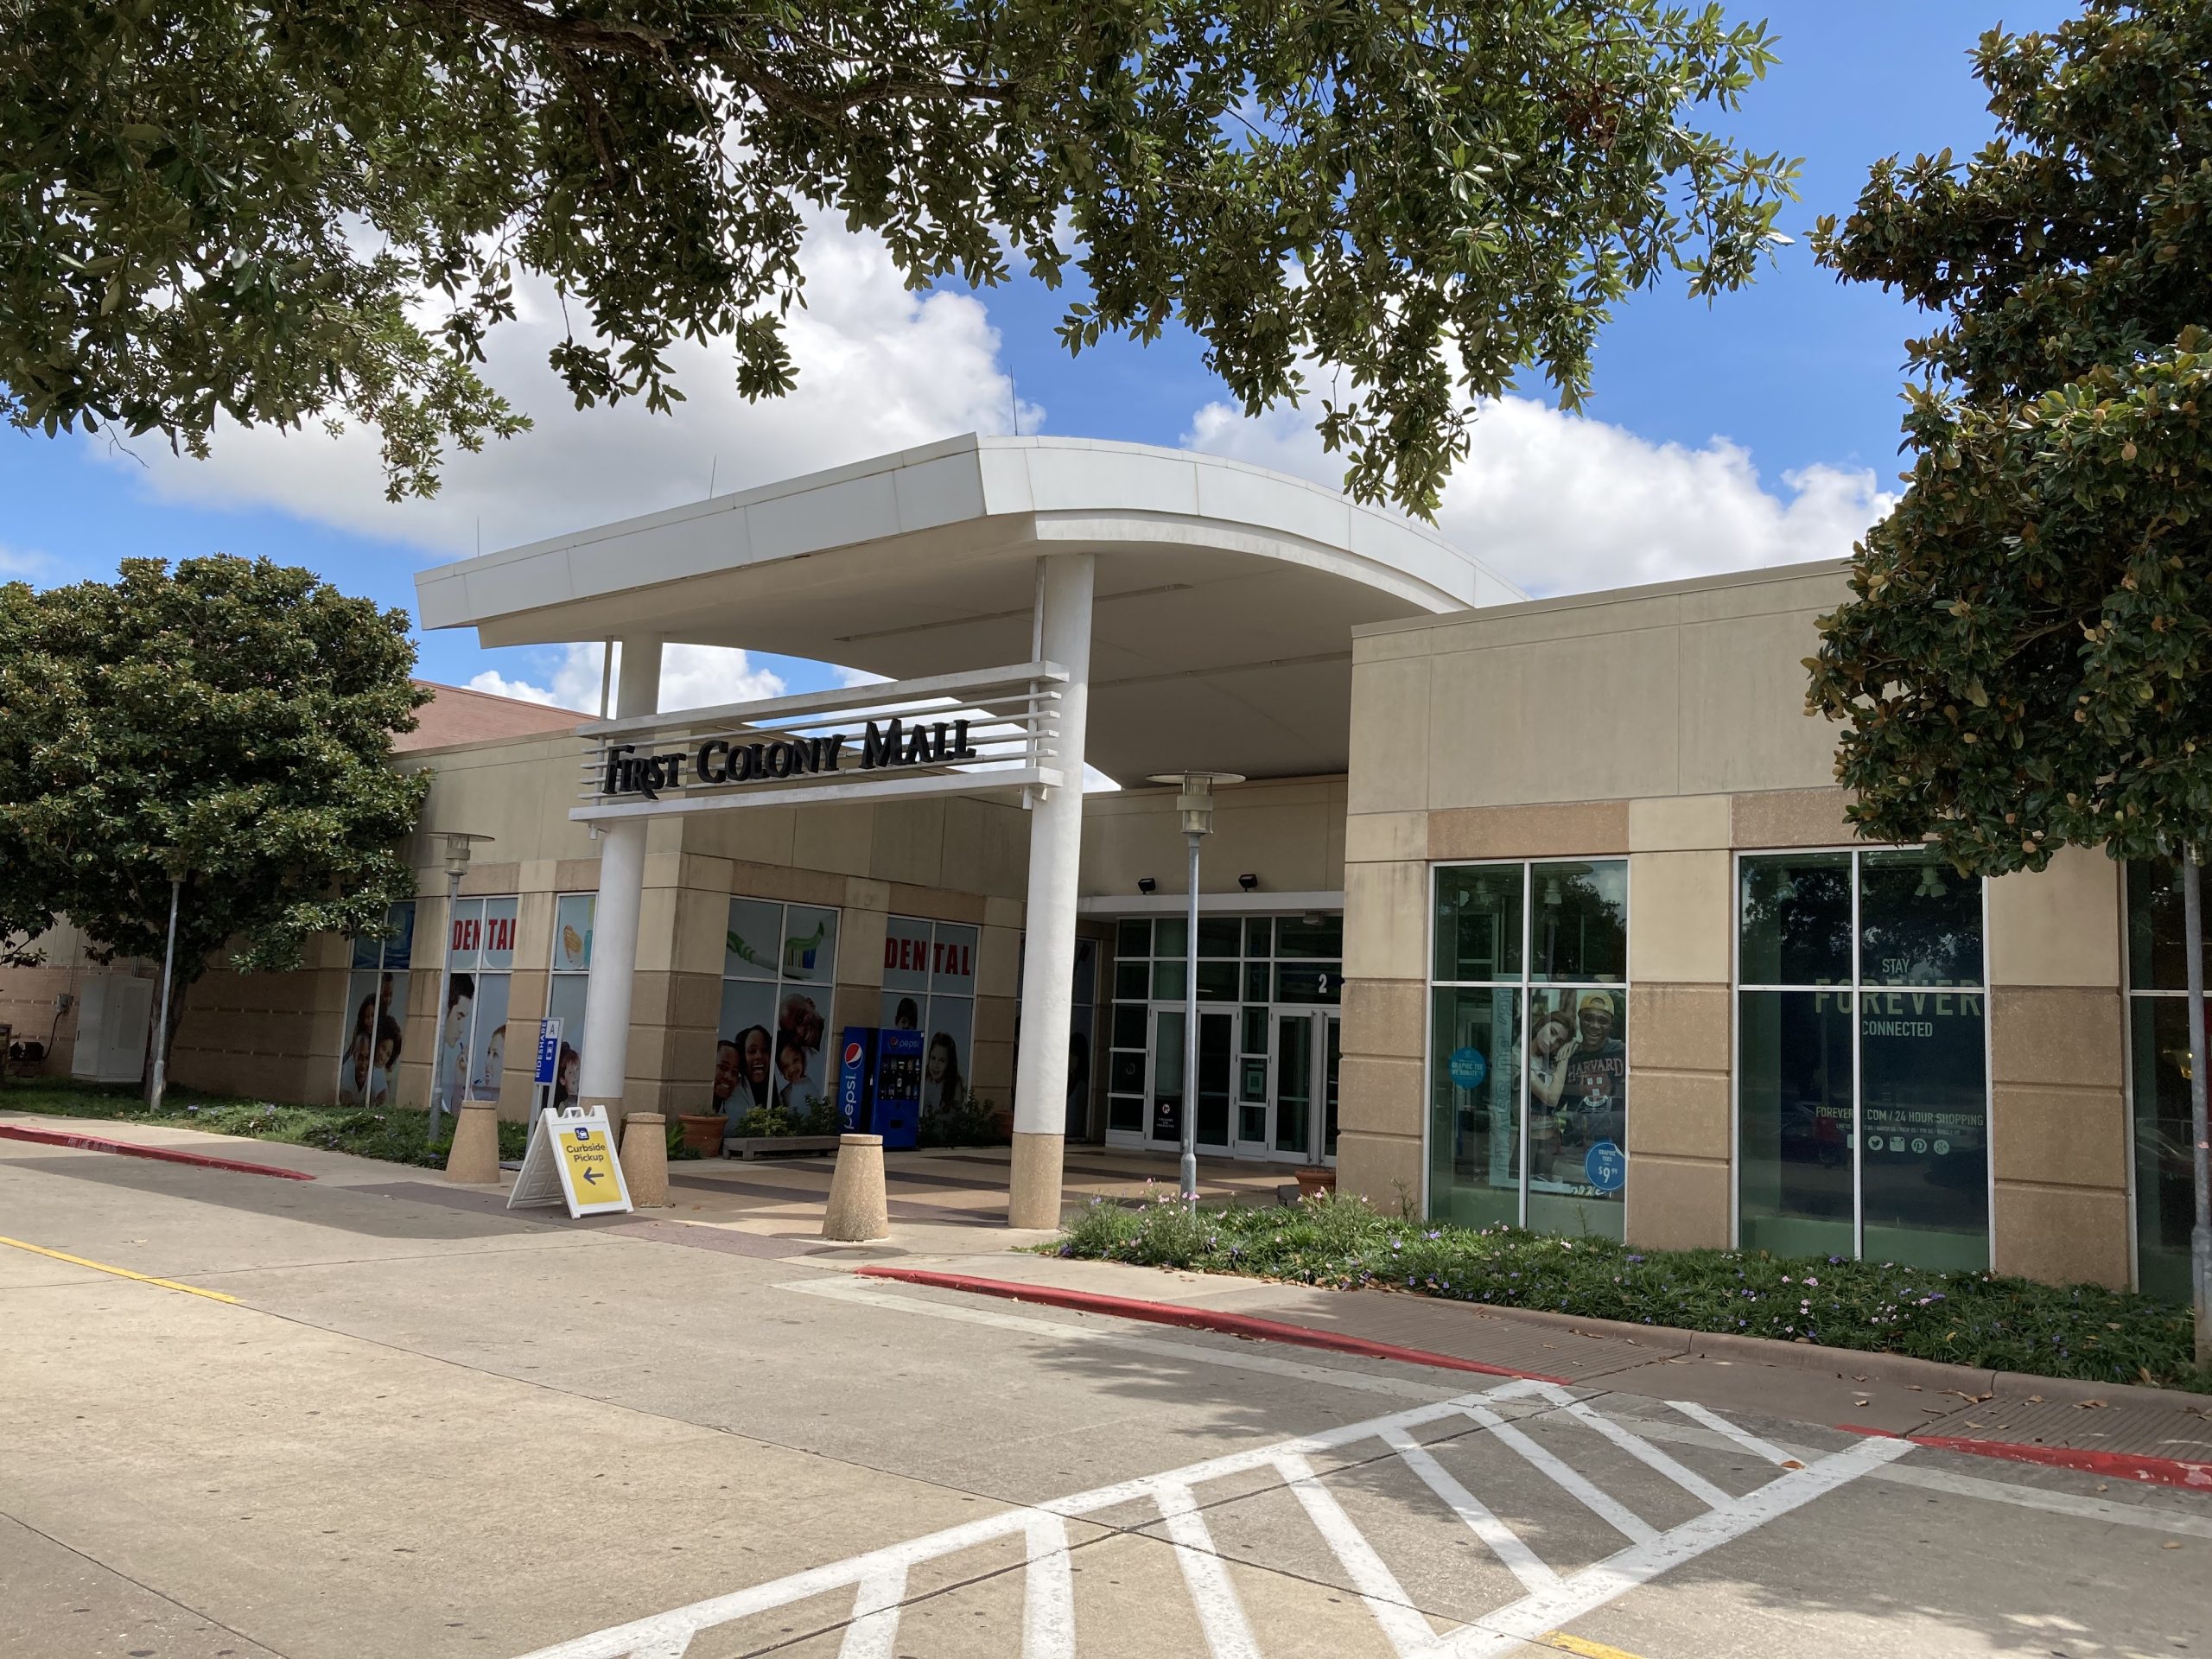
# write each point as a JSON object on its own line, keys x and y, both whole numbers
{"x": 548, "y": 1049}
{"x": 1606, "y": 1165}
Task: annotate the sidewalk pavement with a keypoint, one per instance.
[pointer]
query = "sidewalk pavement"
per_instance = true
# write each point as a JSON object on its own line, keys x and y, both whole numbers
{"x": 950, "y": 1224}
{"x": 2119, "y": 1429}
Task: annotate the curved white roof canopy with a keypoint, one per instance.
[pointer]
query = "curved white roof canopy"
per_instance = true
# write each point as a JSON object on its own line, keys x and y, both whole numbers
{"x": 1221, "y": 632}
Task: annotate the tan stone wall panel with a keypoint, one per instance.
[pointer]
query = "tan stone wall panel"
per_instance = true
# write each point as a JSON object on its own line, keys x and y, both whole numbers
{"x": 1678, "y": 1114}
{"x": 2052, "y": 1037}
{"x": 1386, "y": 921}
{"x": 1380, "y": 1168}
{"x": 1385, "y": 837}
{"x": 1570, "y": 719}
{"x": 1744, "y": 724}
{"x": 1680, "y": 918}
{"x": 1389, "y": 739}
{"x": 1678, "y": 824}
{"x": 2064, "y": 1137}
{"x": 1386, "y": 1018}
{"x": 1677, "y": 1203}
{"x": 1679, "y": 1028}
{"x": 2062, "y": 1235}
{"x": 1791, "y": 818}
{"x": 2063, "y": 926}
{"x": 1380, "y": 1097}
{"x": 1574, "y": 830}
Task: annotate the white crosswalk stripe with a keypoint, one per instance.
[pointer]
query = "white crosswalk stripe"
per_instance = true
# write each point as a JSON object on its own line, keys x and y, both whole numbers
{"x": 879, "y": 1579}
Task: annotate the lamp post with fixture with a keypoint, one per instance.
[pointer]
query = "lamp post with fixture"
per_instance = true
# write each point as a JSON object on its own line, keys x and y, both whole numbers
{"x": 1195, "y": 804}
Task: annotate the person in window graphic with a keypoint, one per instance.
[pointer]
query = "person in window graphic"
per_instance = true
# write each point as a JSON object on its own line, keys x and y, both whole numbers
{"x": 1597, "y": 1093}
{"x": 485, "y": 1085}
{"x": 802, "y": 1021}
{"x": 354, "y": 1075}
{"x": 461, "y": 996}
{"x": 384, "y": 1064}
{"x": 1552, "y": 1048}
{"x": 908, "y": 1017}
{"x": 942, "y": 1088}
{"x": 568, "y": 1076}
{"x": 797, "y": 1092}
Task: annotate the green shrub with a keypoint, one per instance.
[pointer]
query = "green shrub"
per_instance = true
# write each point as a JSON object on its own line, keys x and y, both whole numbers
{"x": 1979, "y": 1319}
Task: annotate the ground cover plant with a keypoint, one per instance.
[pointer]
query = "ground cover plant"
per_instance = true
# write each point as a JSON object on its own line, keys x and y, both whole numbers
{"x": 394, "y": 1136}
{"x": 1968, "y": 1319}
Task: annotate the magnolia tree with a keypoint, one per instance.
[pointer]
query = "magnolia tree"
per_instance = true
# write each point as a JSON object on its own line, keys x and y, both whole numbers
{"x": 224, "y": 727}
{"x": 2026, "y": 661}
{"x": 273, "y": 213}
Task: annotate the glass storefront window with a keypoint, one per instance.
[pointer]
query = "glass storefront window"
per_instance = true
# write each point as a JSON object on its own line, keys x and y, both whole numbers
{"x": 568, "y": 988}
{"x": 1862, "y": 1085}
{"x": 480, "y": 952}
{"x": 2158, "y": 1055}
{"x": 1247, "y": 966}
{"x": 773, "y": 1034}
{"x": 1530, "y": 1131}
{"x": 376, "y": 1000}
{"x": 928, "y": 986}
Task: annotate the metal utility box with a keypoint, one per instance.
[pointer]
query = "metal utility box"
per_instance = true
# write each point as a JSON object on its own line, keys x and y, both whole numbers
{"x": 115, "y": 1017}
{"x": 880, "y": 1085}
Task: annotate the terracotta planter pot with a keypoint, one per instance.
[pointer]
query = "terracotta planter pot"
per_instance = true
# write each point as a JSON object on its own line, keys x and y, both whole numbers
{"x": 1002, "y": 1126}
{"x": 1314, "y": 1179}
{"x": 703, "y": 1132}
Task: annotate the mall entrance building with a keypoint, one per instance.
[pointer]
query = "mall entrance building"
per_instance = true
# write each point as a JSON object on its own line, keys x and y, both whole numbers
{"x": 1543, "y": 912}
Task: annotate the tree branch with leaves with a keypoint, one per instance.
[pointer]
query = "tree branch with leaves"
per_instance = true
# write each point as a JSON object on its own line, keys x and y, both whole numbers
{"x": 270, "y": 213}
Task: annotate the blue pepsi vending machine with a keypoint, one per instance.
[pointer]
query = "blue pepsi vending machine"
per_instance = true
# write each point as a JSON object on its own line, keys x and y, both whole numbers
{"x": 880, "y": 1085}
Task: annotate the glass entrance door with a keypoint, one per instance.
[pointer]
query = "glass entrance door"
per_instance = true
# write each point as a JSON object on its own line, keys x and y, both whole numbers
{"x": 1216, "y": 1061}
{"x": 1306, "y": 1057}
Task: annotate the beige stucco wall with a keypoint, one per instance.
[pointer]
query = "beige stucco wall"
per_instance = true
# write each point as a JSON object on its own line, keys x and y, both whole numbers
{"x": 1288, "y": 832}
{"x": 1668, "y": 726}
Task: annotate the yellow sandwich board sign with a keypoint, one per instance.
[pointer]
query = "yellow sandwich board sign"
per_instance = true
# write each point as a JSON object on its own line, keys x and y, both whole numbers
{"x": 572, "y": 1160}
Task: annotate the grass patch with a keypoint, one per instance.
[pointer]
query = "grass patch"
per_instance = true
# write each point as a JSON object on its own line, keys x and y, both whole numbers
{"x": 1967, "y": 1318}
{"x": 394, "y": 1137}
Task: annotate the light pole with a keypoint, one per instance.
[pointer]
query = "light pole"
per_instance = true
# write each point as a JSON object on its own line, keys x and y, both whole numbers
{"x": 2200, "y": 1133}
{"x": 1195, "y": 804}
{"x": 459, "y": 843}
{"x": 159, "y": 1085}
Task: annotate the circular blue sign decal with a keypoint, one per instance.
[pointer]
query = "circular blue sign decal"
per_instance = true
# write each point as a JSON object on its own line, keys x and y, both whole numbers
{"x": 1468, "y": 1067}
{"x": 1606, "y": 1166}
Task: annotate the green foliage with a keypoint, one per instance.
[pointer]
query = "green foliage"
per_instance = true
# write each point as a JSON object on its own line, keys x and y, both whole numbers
{"x": 273, "y": 213}
{"x": 971, "y": 1123}
{"x": 396, "y": 1137}
{"x": 229, "y": 719}
{"x": 2024, "y": 662}
{"x": 1968, "y": 1319}
{"x": 776, "y": 1122}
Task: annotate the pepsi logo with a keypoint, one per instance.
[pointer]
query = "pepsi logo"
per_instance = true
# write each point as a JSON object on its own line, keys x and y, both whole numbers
{"x": 852, "y": 1053}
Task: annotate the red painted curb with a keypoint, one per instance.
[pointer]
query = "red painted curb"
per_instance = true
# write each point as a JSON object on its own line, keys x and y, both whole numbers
{"x": 2123, "y": 1465}
{"x": 130, "y": 1149}
{"x": 1196, "y": 1319}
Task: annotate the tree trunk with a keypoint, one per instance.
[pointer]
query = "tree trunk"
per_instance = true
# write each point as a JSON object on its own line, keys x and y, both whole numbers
{"x": 2200, "y": 1135}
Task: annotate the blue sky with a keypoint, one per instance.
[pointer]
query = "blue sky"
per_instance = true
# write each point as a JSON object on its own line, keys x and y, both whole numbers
{"x": 1763, "y": 425}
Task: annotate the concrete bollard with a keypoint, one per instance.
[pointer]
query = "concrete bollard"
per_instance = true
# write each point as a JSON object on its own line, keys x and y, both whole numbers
{"x": 857, "y": 1210}
{"x": 644, "y": 1159}
{"x": 475, "y": 1159}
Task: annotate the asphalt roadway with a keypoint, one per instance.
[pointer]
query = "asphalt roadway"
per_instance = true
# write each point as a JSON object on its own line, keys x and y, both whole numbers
{"x": 370, "y": 1415}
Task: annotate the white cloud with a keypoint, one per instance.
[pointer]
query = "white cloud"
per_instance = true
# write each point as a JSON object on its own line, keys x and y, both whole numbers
{"x": 880, "y": 368}
{"x": 22, "y": 561}
{"x": 691, "y": 676}
{"x": 1561, "y": 504}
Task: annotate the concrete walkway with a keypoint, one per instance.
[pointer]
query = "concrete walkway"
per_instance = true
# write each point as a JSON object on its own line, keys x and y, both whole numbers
{"x": 373, "y": 1412}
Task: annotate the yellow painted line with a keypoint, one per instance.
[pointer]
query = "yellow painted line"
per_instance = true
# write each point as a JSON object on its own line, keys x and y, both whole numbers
{"x": 120, "y": 1273}
{"x": 1563, "y": 1643}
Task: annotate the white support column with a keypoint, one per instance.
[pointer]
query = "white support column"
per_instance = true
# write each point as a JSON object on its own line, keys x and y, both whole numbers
{"x": 614, "y": 917}
{"x": 1041, "y": 1083}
